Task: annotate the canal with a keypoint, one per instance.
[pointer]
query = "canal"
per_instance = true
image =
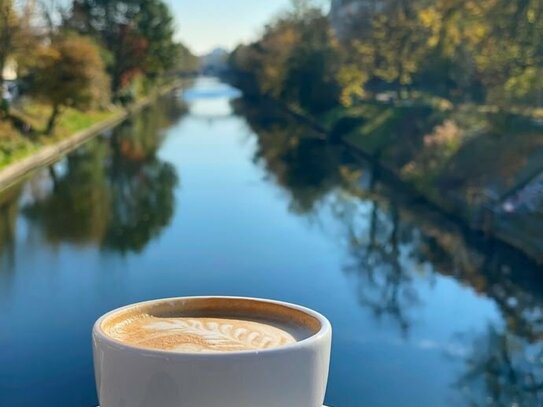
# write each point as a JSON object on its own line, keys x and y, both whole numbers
{"x": 203, "y": 193}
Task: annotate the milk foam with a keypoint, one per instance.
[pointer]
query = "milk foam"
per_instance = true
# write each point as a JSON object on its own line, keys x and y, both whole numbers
{"x": 201, "y": 334}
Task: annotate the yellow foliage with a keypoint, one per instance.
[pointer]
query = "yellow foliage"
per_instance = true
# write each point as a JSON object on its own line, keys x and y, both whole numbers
{"x": 70, "y": 72}
{"x": 352, "y": 81}
{"x": 531, "y": 16}
{"x": 277, "y": 44}
{"x": 430, "y": 18}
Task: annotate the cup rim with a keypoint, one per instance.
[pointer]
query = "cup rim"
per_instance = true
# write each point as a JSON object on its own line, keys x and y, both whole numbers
{"x": 324, "y": 330}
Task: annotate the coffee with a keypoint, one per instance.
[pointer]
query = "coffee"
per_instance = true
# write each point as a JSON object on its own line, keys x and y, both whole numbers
{"x": 201, "y": 334}
{"x": 208, "y": 327}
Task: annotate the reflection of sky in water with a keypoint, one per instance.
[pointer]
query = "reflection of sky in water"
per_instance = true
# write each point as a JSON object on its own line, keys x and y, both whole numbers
{"x": 234, "y": 232}
{"x": 207, "y": 98}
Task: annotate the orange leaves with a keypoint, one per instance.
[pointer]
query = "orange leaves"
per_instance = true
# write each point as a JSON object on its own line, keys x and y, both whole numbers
{"x": 69, "y": 72}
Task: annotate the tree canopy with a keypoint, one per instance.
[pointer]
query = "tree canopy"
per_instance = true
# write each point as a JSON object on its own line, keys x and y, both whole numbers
{"x": 137, "y": 34}
{"x": 69, "y": 72}
{"x": 485, "y": 51}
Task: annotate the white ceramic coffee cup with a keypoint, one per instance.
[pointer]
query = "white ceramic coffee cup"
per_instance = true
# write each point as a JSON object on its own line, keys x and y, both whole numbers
{"x": 293, "y": 375}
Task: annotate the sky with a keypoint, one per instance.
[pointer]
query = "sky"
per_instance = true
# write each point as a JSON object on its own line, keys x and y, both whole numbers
{"x": 206, "y": 24}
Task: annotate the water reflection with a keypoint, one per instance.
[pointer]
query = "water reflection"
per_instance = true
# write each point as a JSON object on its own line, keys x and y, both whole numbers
{"x": 8, "y": 225}
{"x": 322, "y": 177}
{"x": 296, "y": 156}
{"x": 391, "y": 239}
{"x": 441, "y": 315}
{"x": 76, "y": 208}
{"x": 113, "y": 192}
{"x": 383, "y": 284}
{"x": 503, "y": 369}
{"x": 142, "y": 186}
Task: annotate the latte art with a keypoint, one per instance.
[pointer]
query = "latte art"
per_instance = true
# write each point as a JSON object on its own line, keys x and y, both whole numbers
{"x": 200, "y": 334}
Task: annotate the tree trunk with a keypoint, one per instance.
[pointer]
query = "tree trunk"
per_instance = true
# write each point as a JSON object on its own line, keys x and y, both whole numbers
{"x": 6, "y": 35}
{"x": 52, "y": 120}
{"x": 4, "y": 104}
{"x": 54, "y": 177}
{"x": 2, "y": 66}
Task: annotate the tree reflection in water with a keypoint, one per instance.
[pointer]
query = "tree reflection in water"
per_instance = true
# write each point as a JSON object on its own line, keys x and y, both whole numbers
{"x": 383, "y": 285}
{"x": 317, "y": 174}
{"x": 8, "y": 225}
{"x": 503, "y": 366}
{"x": 142, "y": 186}
{"x": 294, "y": 155}
{"x": 76, "y": 209}
{"x": 503, "y": 369}
{"x": 390, "y": 238}
{"x": 114, "y": 193}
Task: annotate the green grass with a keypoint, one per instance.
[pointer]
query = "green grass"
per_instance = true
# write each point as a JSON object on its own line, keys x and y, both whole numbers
{"x": 70, "y": 120}
{"x": 380, "y": 127}
{"x": 7, "y": 159}
{"x": 496, "y": 151}
{"x": 73, "y": 120}
{"x": 15, "y": 146}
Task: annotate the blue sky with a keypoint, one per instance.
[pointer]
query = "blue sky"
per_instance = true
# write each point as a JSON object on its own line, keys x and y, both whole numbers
{"x": 206, "y": 24}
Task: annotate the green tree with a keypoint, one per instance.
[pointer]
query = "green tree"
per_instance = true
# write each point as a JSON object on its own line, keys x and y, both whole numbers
{"x": 156, "y": 24}
{"x": 138, "y": 35}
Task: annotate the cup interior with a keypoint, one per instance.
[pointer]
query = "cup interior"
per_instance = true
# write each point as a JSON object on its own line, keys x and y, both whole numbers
{"x": 303, "y": 322}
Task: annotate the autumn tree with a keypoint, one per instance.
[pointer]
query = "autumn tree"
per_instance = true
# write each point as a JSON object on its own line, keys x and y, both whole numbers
{"x": 510, "y": 56}
{"x": 69, "y": 72}
{"x": 401, "y": 44}
{"x": 184, "y": 60}
{"x": 312, "y": 66}
{"x": 390, "y": 47}
{"x": 264, "y": 63}
{"x": 274, "y": 50}
{"x": 9, "y": 26}
{"x": 462, "y": 50}
{"x": 294, "y": 61}
{"x": 137, "y": 34}
{"x": 17, "y": 33}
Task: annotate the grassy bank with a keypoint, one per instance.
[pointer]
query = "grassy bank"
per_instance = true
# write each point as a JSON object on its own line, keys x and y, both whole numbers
{"x": 23, "y": 133}
{"x": 482, "y": 166}
{"x": 31, "y": 117}
{"x": 23, "y": 147}
{"x": 70, "y": 120}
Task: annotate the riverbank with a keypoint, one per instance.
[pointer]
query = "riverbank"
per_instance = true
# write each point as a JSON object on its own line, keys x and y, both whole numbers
{"x": 47, "y": 154}
{"x": 483, "y": 169}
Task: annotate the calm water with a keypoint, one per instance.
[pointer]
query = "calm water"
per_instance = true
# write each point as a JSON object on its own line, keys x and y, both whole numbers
{"x": 202, "y": 195}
